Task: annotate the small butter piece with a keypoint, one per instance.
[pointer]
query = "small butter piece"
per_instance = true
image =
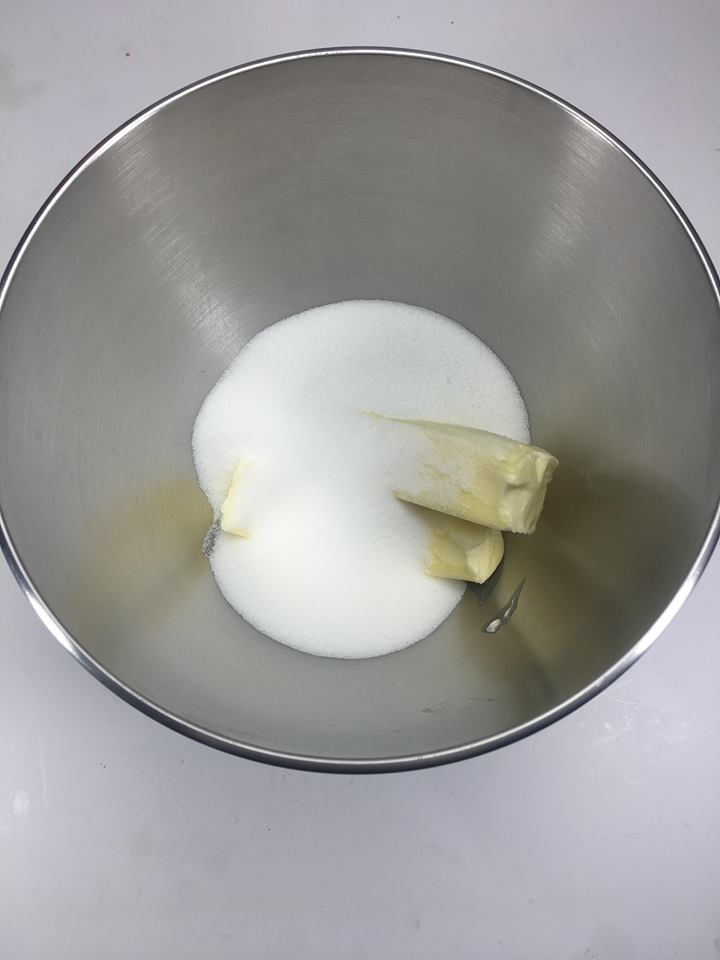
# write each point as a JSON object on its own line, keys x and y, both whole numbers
{"x": 475, "y": 475}
{"x": 460, "y": 550}
{"x": 234, "y": 511}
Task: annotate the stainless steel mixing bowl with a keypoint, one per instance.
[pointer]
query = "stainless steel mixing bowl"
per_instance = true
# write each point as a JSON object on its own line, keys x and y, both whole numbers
{"x": 326, "y": 176}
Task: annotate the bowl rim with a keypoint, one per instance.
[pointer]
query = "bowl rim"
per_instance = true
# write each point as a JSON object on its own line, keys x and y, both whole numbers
{"x": 368, "y": 764}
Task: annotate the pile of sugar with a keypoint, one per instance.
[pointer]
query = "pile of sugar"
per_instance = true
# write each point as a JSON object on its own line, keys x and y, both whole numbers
{"x": 334, "y": 565}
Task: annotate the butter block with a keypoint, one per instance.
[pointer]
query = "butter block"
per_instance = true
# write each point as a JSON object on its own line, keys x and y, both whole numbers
{"x": 234, "y": 513}
{"x": 475, "y": 475}
{"x": 460, "y": 550}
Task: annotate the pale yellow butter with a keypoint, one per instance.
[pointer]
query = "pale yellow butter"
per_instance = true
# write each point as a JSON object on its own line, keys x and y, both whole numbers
{"x": 460, "y": 550}
{"x": 475, "y": 475}
{"x": 234, "y": 511}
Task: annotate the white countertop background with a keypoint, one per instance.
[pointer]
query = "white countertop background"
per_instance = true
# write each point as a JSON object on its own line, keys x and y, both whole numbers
{"x": 597, "y": 839}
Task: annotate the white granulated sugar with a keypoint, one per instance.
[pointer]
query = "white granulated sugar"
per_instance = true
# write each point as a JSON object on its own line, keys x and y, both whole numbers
{"x": 334, "y": 564}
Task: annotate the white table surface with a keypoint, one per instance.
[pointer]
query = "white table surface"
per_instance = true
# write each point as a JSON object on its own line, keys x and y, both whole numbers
{"x": 597, "y": 839}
